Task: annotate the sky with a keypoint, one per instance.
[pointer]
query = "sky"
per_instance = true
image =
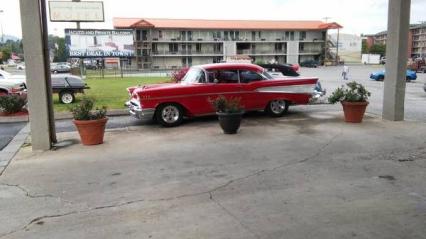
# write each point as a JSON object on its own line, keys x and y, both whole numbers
{"x": 359, "y": 16}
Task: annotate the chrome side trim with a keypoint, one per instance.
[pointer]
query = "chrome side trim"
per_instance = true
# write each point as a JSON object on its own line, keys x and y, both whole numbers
{"x": 291, "y": 89}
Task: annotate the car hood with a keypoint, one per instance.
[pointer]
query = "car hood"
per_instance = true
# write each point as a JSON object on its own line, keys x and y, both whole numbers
{"x": 10, "y": 82}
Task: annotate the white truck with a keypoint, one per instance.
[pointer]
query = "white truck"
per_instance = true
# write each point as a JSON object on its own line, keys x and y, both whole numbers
{"x": 370, "y": 59}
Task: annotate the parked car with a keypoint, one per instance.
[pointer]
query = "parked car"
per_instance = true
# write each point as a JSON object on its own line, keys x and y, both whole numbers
{"x": 380, "y": 75}
{"x": 66, "y": 86}
{"x": 169, "y": 103}
{"x": 12, "y": 85}
{"x": 424, "y": 87}
{"x": 20, "y": 66}
{"x": 280, "y": 69}
{"x": 383, "y": 60}
{"x": 309, "y": 63}
{"x": 60, "y": 68}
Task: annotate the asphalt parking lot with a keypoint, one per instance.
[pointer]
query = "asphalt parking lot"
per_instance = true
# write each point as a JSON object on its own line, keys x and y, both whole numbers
{"x": 415, "y": 98}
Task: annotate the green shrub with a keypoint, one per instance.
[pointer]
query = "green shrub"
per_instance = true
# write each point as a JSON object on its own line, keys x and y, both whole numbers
{"x": 223, "y": 105}
{"x": 84, "y": 110}
{"x": 11, "y": 104}
{"x": 352, "y": 92}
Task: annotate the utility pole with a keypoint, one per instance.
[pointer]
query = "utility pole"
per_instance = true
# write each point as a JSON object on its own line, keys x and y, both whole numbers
{"x": 80, "y": 60}
{"x": 1, "y": 25}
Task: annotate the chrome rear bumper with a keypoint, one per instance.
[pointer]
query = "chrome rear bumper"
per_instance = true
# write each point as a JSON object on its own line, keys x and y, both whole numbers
{"x": 136, "y": 110}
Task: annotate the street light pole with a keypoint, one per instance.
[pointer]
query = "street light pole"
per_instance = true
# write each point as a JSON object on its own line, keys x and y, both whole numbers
{"x": 1, "y": 25}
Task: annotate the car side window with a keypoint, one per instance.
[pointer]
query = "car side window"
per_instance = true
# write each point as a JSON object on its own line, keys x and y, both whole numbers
{"x": 250, "y": 76}
{"x": 223, "y": 76}
{"x": 202, "y": 77}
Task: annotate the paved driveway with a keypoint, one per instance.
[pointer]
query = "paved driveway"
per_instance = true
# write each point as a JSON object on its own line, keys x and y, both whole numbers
{"x": 308, "y": 175}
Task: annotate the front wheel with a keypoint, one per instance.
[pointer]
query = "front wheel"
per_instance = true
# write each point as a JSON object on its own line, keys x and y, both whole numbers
{"x": 169, "y": 115}
{"x": 66, "y": 97}
{"x": 407, "y": 79}
{"x": 277, "y": 108}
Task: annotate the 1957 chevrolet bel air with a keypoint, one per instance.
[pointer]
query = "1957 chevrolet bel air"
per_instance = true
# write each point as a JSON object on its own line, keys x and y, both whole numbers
{"x": 170, "y": 103}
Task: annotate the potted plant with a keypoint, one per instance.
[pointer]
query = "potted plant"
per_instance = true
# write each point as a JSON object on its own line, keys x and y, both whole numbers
{"x": 90, "y": 123}
{"x": 353, "y": 98}
{"x": 229, "y": 112}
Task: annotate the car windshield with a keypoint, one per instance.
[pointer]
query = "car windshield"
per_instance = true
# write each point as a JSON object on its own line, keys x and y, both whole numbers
{"x": 194, "y": 75}
{"x": 267, "y": 75}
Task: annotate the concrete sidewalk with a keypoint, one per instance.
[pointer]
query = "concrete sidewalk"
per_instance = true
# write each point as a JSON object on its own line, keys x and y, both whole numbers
{"x": 301, "y": 176}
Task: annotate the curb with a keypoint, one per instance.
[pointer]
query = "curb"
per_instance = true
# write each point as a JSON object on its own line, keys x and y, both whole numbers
{"x": 7, "y": 154}
{"x": 67, "y": 115}
{"x": 14, "y": 119}
{"x": 58, "y": 116}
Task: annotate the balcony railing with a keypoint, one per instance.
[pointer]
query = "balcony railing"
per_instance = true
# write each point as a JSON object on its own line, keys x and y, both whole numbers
{"x": 186, "y": 52}
{"x": 261, "y": 52}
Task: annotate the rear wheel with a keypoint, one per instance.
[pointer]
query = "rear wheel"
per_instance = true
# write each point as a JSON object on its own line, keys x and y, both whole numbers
{"x": 66, "y": 97}
{"x": 407, "y": 79}
{"x": 381, "y": 78}
{"x": 169, "y": 115}
{"x": 277, "y": 108}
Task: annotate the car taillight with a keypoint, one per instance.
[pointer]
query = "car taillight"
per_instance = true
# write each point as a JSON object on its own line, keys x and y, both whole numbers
{"x": 15, "y": 89}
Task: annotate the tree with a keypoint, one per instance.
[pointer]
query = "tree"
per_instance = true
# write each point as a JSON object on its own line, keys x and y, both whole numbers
{"x": 364, "y": 48}
{"x": 57, "y": 46}
{"x": 6, "y": 52}
{"x": 378, "y": 49}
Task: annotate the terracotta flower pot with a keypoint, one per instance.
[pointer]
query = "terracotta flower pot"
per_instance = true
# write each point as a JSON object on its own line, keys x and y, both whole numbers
{"x": 91, "y": 131}
{"x": 230, "y": 122}
{"x": 354, "y": 111}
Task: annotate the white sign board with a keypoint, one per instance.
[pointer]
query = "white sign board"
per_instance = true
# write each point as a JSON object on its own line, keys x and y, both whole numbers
{"x": 61, "y": 11}
{"x": 82, "y": 43}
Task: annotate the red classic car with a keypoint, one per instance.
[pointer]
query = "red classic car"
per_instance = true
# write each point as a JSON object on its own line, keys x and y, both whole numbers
{"x": 170, "y": 103}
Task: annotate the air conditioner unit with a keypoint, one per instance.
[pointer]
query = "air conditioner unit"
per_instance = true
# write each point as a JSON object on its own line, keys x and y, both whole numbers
{"x": 155, "y": 39}
{"x": 173, "y": 39}
{"x": 199, "y": 39}
{"x": 263, "y": 39}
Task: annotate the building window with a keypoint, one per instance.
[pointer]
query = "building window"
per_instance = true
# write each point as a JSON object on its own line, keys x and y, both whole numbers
{"x": 189, "y": 33}
{"x": 301, "y": 47}
{"x": 217, "y": 35}
{"x": 253, "y": 36}
{"x": 302, "y": 36}
{"x": 173, "y": 47}
{"x": 278, "y": 47}
{"x": 291, "y": 36}
{"x": 226, "y": 36}
{"x": 259, "y": 33}
{"x": 198, "y": 47}
{"x": 160, "y": 34}
{"x": 154, "y": 48}
{"x": 183, "y": 35}
{"x": 144, "y": 35}
{"x": 217, "y": 48}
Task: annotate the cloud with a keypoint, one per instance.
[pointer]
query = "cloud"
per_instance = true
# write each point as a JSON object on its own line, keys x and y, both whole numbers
{"x": 361, "y": 16}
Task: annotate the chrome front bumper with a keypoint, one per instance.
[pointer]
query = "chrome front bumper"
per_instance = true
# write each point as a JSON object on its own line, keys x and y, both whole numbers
{"x": 136, "y": 110}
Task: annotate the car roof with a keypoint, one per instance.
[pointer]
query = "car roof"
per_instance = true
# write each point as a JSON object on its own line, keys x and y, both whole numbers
{"x": 232, "y": 66}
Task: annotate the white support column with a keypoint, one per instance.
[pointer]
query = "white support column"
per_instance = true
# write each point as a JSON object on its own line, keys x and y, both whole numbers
{"x": 34, "y": 38}
{"x": 396, "y": 59}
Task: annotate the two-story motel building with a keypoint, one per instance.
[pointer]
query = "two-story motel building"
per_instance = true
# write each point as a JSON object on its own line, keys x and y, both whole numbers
{"x": 174, "y": 43}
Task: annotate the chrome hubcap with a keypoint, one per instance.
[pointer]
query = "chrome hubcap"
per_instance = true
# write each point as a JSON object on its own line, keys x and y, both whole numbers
{"x": 278, "y": 106}
{"x": 170, "y": 114}
{"x": 67, "y": 98}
